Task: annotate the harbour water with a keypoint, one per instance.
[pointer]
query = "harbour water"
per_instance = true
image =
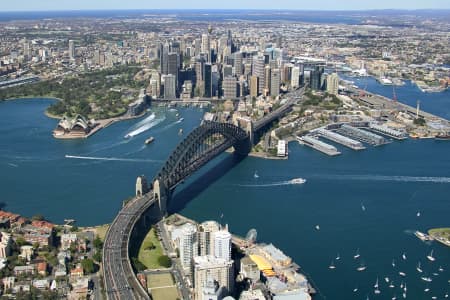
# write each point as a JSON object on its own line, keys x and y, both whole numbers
{"x": 88, "y": 179}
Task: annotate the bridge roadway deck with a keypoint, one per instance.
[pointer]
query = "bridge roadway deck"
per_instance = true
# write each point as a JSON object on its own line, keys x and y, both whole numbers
{"x": 119, "y": 278}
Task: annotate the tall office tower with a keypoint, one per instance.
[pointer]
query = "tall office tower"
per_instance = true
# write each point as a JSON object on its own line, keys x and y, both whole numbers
{"x": 71, "y": 49}
{"x": 286, "y": 73}
{"x": 227, "y": 70}
{"x": 247, "y": 70}
{"x": 258, "y": 71}
{"x": 222, "y": 244}
{"x": 333, "y": 84}
{"x": 199, "y": 69}
{"x": 173, "y": 66}
{"x": 275, "y": 83}
{"x": 198, "y": 47}
{"x": 164, "y": 57}
{"x": 211, "y": 268}
{"x": 238, "y": 63}
{"x": 205, "y": 233}
{"x": 188, "y": 246}
{"x": 207, "y": 79}
{"x": 316, "y": 78}
{"x": 295, "y": 77}
{"x": 253, "y": 86}
{"x": 229, "y": 87}
{"x": 279, "y": 42}
{"x": 27, "y": 50}
{"x": 169, "y": 86}
{"x": 155, "y": 85}
{"x": 230, "y": 41}
{"x": 267, "y": 72}
{"x": 206, "y": 46}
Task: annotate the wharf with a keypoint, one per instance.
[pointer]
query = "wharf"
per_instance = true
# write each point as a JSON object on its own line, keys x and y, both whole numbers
{"x": 362, "y": 135}
{"x": 395, "y": 134}
{"x": 343, "y": 140}
{"x": 318, "y": 145}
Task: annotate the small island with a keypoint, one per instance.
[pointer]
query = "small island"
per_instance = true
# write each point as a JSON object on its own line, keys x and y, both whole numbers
{"x": 441, "y": 235}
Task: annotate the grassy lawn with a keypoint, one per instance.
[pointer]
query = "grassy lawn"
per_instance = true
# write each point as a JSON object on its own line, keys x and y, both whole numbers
{"x": 162, "y": 288}
{"x": 101, "y": 231}
{"x": 150, "y": 257}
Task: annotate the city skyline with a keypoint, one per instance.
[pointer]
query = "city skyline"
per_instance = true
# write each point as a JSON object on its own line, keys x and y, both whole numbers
{"x": 49, "y": 5}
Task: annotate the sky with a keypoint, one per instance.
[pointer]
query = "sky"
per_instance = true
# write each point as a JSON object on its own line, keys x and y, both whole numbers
{"x": 45, "y": 5}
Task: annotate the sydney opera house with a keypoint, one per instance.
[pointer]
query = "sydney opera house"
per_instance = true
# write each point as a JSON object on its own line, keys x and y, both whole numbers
{"x": 76, "y": 127}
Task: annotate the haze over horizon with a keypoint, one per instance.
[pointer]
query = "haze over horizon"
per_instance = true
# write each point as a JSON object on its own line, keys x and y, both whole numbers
{"x": 50, "y": 5}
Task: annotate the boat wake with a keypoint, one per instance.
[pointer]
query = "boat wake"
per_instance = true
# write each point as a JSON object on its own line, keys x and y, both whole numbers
{"x": 146, "y": 126}
{"x": 391, "y": 178}
{"x": 295, "y": 181}
{"x": 168, "y": 126}
{"x": 13, "y": 165}
{"x": 112, "y": 159}
{"x": 144, "y": 121}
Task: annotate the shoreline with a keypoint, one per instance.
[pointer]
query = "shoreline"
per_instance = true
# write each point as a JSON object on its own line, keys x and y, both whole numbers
{"x": 102, "y": 123}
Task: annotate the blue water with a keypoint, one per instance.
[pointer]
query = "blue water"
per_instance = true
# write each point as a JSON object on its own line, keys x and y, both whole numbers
{"x": 392, "y": 182}
{"x": 435, "y": 103}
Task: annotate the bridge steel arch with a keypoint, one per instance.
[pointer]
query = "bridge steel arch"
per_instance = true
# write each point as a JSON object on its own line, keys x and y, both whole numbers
{"x": 198, "y": 148}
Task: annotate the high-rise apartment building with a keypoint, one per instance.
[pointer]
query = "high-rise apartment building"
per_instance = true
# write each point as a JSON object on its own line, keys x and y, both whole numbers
{"x": 333, "y": 84}
{"x": 71, "y": 49}
{"x": 222, "y": 244}
{"x": 206, "y": 232}
{"x": 169, "y": 86}
{"x": 188, "y": 246}
{"x": 211, "y": 268}
{"x": 229, "y": 86}
{"x": 275, "y": 83}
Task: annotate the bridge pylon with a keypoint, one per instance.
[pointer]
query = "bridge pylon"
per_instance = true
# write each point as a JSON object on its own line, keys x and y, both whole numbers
{"x": 162, "y": 194}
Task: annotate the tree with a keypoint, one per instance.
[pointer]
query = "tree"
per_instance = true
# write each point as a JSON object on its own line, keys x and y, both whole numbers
{"x": 97, "y": 256}
{"x": 88, "y": 266}
{"x": 150, "y": 246}
{"x": 98, "y": 244}
{"x": 38, "y": 217}
{"x": 164, "y": 261}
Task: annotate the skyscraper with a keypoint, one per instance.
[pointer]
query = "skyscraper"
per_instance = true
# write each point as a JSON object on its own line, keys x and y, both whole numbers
{"x": 206, "y": 46}
{"x": 316, "y": 78}
{"x": 222, "y": 244}
{"x": 207, "y": 79}
{"x": 206, "y": 232}
{"x": 164, "y": 57}
{"x": 333, "y": 84}
{"x": 169, "y": 86}
{"x": 173, "y": 66}
{"x": 188, "y": 246}
{"x": 238, "y": 63}
{"x": 211, "y": 268}
{"x": 71, "y": 49}
{"x": 295, "y": 77}
{"x": 253, "y": 86}
{"x": 258, "y": 71}
{"x": 275, "y": 83}
{"x": 229, "y": 87}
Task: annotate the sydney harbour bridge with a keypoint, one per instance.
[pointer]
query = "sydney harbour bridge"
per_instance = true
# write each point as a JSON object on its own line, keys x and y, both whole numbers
{"x": 203, "y": 144}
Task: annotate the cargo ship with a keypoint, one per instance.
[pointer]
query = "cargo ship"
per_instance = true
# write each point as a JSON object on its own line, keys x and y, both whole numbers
{"x": 149, "y": 140}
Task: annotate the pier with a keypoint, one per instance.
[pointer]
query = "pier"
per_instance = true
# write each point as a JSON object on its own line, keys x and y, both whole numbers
{"x": 343, "y": 140}
{"x": 318, "y": 145}
{"x": 362, "y": 135}
{"x": 388, "y": 131}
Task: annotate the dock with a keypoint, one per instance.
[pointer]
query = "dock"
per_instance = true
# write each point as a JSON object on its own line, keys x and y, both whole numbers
{"x": 362, "y": 135}
{"x": 398, "y": 135}
{"x": 318, "y": 145}
{"x": 340, "y": 139}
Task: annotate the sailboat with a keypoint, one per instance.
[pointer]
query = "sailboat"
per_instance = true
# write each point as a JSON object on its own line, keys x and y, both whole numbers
{"x": 256, "y": 175}
{"x": 391, "y": 285}
{"x": 394, "y": 297}
{"x": 404, "y": 256}
{"x": 404, "y": 288}
{"x": 446, "y": 295}
{"x": 427, "y": 279}
{"x": 430, "y": 257}
{"x": 338, "y": 257}
{"x": 317, "y": 227}
{"x": 441, "y": 269}
{"x": 332, "y": 266}
{"x": 403, "y": 274}
{"x": 357, "y": 255}
{"x": 386, "y": 279}
{"x": 355, "y": 289}
{"x": 418, "y": 268}
{"x": 377, "y": 291}
{"x": 393, "y": 263}
{"x": 418, "y": 214}
{"x": 361, "y": 268}
{"x": 363, "y": 207}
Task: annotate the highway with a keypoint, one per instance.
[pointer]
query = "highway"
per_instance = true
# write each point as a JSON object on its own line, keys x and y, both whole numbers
{"x": 120, "y": 281}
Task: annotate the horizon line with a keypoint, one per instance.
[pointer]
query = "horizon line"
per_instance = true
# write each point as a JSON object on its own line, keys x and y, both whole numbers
{"x": 229, "y": 9}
